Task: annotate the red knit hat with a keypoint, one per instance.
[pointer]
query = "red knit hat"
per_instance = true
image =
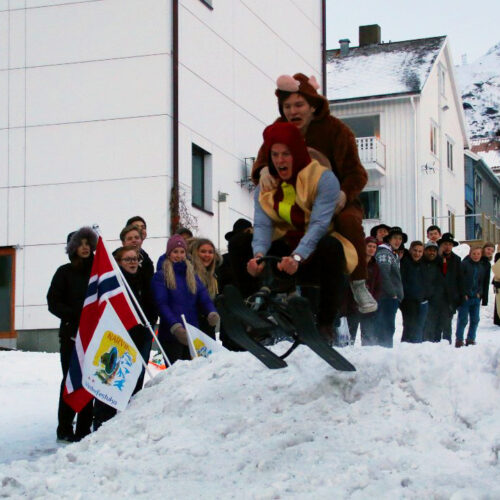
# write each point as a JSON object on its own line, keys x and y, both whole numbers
{"x": 305, "y": 86}
{"x": 288, "y": 134}
{"x": 175, "y": 241}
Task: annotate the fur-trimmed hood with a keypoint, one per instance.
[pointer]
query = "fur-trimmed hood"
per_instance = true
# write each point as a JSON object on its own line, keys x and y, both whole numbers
{"x": 75, "y": 238}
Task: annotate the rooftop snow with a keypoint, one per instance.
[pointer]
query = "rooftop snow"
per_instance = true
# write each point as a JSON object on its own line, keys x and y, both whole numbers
{"x": 381, "y": 69}
{"x": 491, "y": 158}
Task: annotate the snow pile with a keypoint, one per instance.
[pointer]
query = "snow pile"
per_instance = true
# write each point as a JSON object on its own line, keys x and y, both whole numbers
{"x": 480, "y": 86}
{"x": 418, "y": 421}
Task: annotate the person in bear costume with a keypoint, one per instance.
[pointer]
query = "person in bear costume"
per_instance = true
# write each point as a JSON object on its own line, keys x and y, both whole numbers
{"x": 333, "y": 144}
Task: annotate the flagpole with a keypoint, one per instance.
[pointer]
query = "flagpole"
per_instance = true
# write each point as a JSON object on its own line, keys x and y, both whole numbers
{"x": 132, "y": 296}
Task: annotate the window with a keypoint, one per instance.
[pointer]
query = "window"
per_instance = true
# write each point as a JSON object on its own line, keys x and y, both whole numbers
{"x": 434, "y": 139}
{"x": 201, "y": 178}
{"x": 371, "y": 204}
{"x": 451, "y": 223}
{"x": 442, "y": 80}
{"x": 434, "y": 210}
{"x": 7, "y": 285}
{"x": 496, "y": 205}
{"x": 478, "y": 190}
{"x": 364, "y": 126}
{"x": 449, "y": 154}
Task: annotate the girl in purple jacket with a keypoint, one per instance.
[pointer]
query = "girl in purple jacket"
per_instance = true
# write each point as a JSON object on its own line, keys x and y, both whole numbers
{"x": 176, "y": 291}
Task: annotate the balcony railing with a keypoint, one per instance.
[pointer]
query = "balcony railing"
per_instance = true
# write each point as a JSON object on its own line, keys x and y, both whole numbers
{"x": 371, "y": 153}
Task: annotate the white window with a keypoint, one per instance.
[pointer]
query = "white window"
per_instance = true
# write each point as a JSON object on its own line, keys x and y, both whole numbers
{"x": 434, "y": 210}
{"x": 449, "y": 154}
{"x": 442, "y": 80}
{"x": 434, "y": 148}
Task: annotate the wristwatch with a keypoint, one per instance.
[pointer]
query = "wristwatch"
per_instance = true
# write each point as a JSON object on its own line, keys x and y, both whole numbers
{"x": 297, "y": 258}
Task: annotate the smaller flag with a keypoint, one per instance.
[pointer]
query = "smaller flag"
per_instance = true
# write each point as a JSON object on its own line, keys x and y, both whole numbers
{"x": 199, "y": 343}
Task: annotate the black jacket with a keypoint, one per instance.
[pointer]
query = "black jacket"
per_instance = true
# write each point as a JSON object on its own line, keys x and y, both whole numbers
{"x": 453, "y": 288}
{"x": 487, "y": 270}
{"x": 434, "y": 279}
{"x": 141, "y": 287}
{"x": 474, "y": 278}
{"x": 413, "y": 278}
{"x": 67, "y": 293}
{"x": 146, "y": 269}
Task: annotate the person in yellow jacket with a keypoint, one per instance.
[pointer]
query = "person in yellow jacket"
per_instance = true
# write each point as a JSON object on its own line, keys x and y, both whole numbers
{"x": 294, "y": 221}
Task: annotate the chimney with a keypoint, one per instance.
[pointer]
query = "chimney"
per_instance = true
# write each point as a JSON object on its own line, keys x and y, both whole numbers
{"x": 344, "y": 46}
{"x": 369, "y": 35}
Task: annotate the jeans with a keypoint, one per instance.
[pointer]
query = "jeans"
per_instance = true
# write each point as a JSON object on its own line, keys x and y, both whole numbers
{"x": 414, "y": 316}
{"x": 470, "y": 307}
{"x": 385, "y": 322}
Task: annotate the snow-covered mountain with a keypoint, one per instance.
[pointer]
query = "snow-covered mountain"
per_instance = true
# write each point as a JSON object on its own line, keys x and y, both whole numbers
{"x": 479, "y": 83}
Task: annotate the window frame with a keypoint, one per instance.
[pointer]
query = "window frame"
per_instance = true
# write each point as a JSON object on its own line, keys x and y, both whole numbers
{"x": 449, "y": 157}
{"x": 367, "y": 192}
{"x": 205, "y": 204}
{"x": 11, "y": 332}
{"x": 434, "y": 210}
{"x": 478, "y": 189}
{"x": 442, "y": 80}
{"x": 434, "y": 138}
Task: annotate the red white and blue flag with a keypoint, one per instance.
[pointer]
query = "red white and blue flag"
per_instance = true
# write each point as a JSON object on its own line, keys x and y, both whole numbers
{"x": 104, "y": 286}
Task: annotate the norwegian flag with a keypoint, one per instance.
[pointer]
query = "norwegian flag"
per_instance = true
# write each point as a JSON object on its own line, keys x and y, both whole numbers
{"x": 104, "y": 285}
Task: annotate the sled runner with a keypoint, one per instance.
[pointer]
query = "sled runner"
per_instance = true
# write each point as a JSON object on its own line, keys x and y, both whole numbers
{"x": 269, "y": 316}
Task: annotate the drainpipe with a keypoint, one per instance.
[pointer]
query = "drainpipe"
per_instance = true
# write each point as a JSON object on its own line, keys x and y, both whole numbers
{"x": 416, "y": 172}
{"x": 323, "y": 46}
{"x": 174, "y": 193}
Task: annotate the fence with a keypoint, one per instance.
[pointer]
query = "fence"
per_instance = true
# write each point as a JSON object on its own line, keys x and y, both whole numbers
{"x": 468, "y": 228}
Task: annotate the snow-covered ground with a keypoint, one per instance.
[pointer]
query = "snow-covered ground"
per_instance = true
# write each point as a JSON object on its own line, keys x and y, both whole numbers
{"x": 417, "y": 421}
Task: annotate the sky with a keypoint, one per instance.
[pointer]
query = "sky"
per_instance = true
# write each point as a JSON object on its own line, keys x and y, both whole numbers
{"x": 471, "y": 31}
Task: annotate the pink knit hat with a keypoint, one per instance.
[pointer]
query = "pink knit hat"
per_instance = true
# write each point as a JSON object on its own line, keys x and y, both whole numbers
{"x": 175, "y": 241}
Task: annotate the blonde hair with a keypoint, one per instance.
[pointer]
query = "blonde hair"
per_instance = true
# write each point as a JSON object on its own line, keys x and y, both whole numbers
{"x": 206, "y": 274}
{"x": 169, "y": 275}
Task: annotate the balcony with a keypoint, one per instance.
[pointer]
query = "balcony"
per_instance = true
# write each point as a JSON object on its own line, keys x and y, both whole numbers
{"x": 372, "y": 154}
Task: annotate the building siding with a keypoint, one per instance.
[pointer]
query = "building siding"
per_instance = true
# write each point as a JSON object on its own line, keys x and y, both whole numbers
{"x": 86, "y": 117}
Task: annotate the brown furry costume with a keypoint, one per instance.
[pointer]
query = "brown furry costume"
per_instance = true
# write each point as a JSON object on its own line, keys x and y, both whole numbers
{"x": 335, "y": 140}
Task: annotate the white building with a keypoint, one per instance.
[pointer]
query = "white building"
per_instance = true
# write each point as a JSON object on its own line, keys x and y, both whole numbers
{"x": 401, "y": 101}
{"x": 101, "y": 102}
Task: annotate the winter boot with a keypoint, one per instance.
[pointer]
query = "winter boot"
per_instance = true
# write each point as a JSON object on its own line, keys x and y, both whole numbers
{"x": 470, "y": 342}
{"x": 366, "y": 303}
{"x": 459, "y": 343}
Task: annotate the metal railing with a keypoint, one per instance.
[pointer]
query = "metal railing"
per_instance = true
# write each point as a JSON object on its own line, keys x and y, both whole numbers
{"x": 371, "y": 152}
{"x": 468, "y": 228}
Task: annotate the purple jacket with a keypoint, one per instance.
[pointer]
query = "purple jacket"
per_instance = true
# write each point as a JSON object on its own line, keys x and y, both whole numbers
{"x": 172, "y": 303}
